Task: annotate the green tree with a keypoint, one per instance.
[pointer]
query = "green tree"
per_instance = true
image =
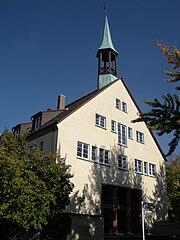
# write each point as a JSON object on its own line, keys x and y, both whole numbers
{"x": 164, "y": 116}
{"x": 173, "y": 188}
{"x": 34, "y": 187}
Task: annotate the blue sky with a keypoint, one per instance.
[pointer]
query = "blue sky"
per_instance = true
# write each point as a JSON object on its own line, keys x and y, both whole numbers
{"x": 48, "y": 47}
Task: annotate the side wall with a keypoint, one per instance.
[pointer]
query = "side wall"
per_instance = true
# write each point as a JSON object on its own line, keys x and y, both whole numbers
{"x": 47, "y": 141}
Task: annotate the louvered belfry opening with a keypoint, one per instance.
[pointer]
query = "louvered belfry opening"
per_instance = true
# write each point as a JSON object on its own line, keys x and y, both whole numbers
{"x": 107, "y": 62}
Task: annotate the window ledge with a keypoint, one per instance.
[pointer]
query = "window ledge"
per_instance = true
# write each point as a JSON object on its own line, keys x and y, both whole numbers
{"x": 123, "y": 169}
{"x": 120, "y": 144}
{"x": 114, "y": 132}
{"x": 140, "y": 142}
{"x": 100, "y": 127}
{"x": 104, "y": 164}
{"x": 151, "y": 176}
{"x": 130, "y": 138}
{"x": 81, "y": 158}
{"x": 94, "y": 161}
{"x": 140, "y": 173}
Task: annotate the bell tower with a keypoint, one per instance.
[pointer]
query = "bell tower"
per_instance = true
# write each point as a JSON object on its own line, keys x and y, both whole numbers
{"x": 107, "y": 69}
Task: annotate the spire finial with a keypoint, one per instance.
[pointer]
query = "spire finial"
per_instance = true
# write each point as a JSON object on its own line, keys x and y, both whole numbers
{"x": 105, "y": 7}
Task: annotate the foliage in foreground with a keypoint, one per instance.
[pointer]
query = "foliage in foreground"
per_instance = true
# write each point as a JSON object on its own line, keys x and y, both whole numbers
{"x": 173, "y": 188}
{"x": 34, "y": 186}
{"x": 164, "y": 116}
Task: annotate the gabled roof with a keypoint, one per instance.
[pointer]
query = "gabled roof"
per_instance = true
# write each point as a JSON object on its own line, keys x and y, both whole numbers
{"x": 46, "y": 116}
{"x": 74, "y": 106}
{"x": 23, "y": 127}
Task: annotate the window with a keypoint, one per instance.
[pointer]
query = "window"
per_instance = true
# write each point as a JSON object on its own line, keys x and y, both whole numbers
{"x": 41, "y": 146}
{"x": 37, "y": 122}
{"x": 30, "y": 148}
{"x": 104, "y": 156}
{"x": 145, "y": 168}
{"x": 138, "y": 166}
{"x": 152, "y": 169}
{"x": 113, "y": 126}
{"x": 94, "y": 153}
{"x": 124, "y": 107}
{"x": 100, "y": 121}
{"x": 17, "y": 132}
{"x": 122, "y": 162}
{"x": 118, "y": 104}
{"x": 82, "y": 150}
{"x": 139, "y": 137}
{"x": 122, "y": 136}
{"x": 130, "y": 135}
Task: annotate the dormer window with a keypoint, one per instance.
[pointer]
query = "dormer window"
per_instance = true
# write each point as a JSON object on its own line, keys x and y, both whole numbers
{"x": 37, "y": 122}
{"x": 17, "y": 131}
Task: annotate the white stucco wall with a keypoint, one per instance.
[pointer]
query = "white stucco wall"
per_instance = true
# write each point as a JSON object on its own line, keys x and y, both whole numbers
{"x": 88, "y": 176}
{"x": 48, "y": 140}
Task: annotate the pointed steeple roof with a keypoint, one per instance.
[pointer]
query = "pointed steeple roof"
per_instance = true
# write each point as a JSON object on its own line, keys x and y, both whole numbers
{"x": 107, "y": 41}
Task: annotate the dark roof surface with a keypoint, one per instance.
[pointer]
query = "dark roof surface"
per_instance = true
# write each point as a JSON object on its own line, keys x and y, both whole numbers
{"x": 72, "y": 107}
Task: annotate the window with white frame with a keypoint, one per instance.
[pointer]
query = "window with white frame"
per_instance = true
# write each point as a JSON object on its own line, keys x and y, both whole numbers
{"x": 94, "y": 153}
{"x": 122, "y": 135}
{"x": 145, "y": 168}
{"x": 152, "y": 169}
{"x": 124, "y": 106}
{"x": 37, "y": 122}
{"x": 82, "y": 150}
{"x": 118, "y": 103}
{"x": 139, "y": 137}
{"x": 130, "y": 134}
{"x": 104, "y": 156}
{"x": 138, "y": 166}
{"x": 113, "y": 126}
{"x": 100, "y": 121}
{"x": 122, "y": 162}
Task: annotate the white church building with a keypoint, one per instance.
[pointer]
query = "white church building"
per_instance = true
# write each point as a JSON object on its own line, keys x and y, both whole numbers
{"x": 116, "y": 164}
